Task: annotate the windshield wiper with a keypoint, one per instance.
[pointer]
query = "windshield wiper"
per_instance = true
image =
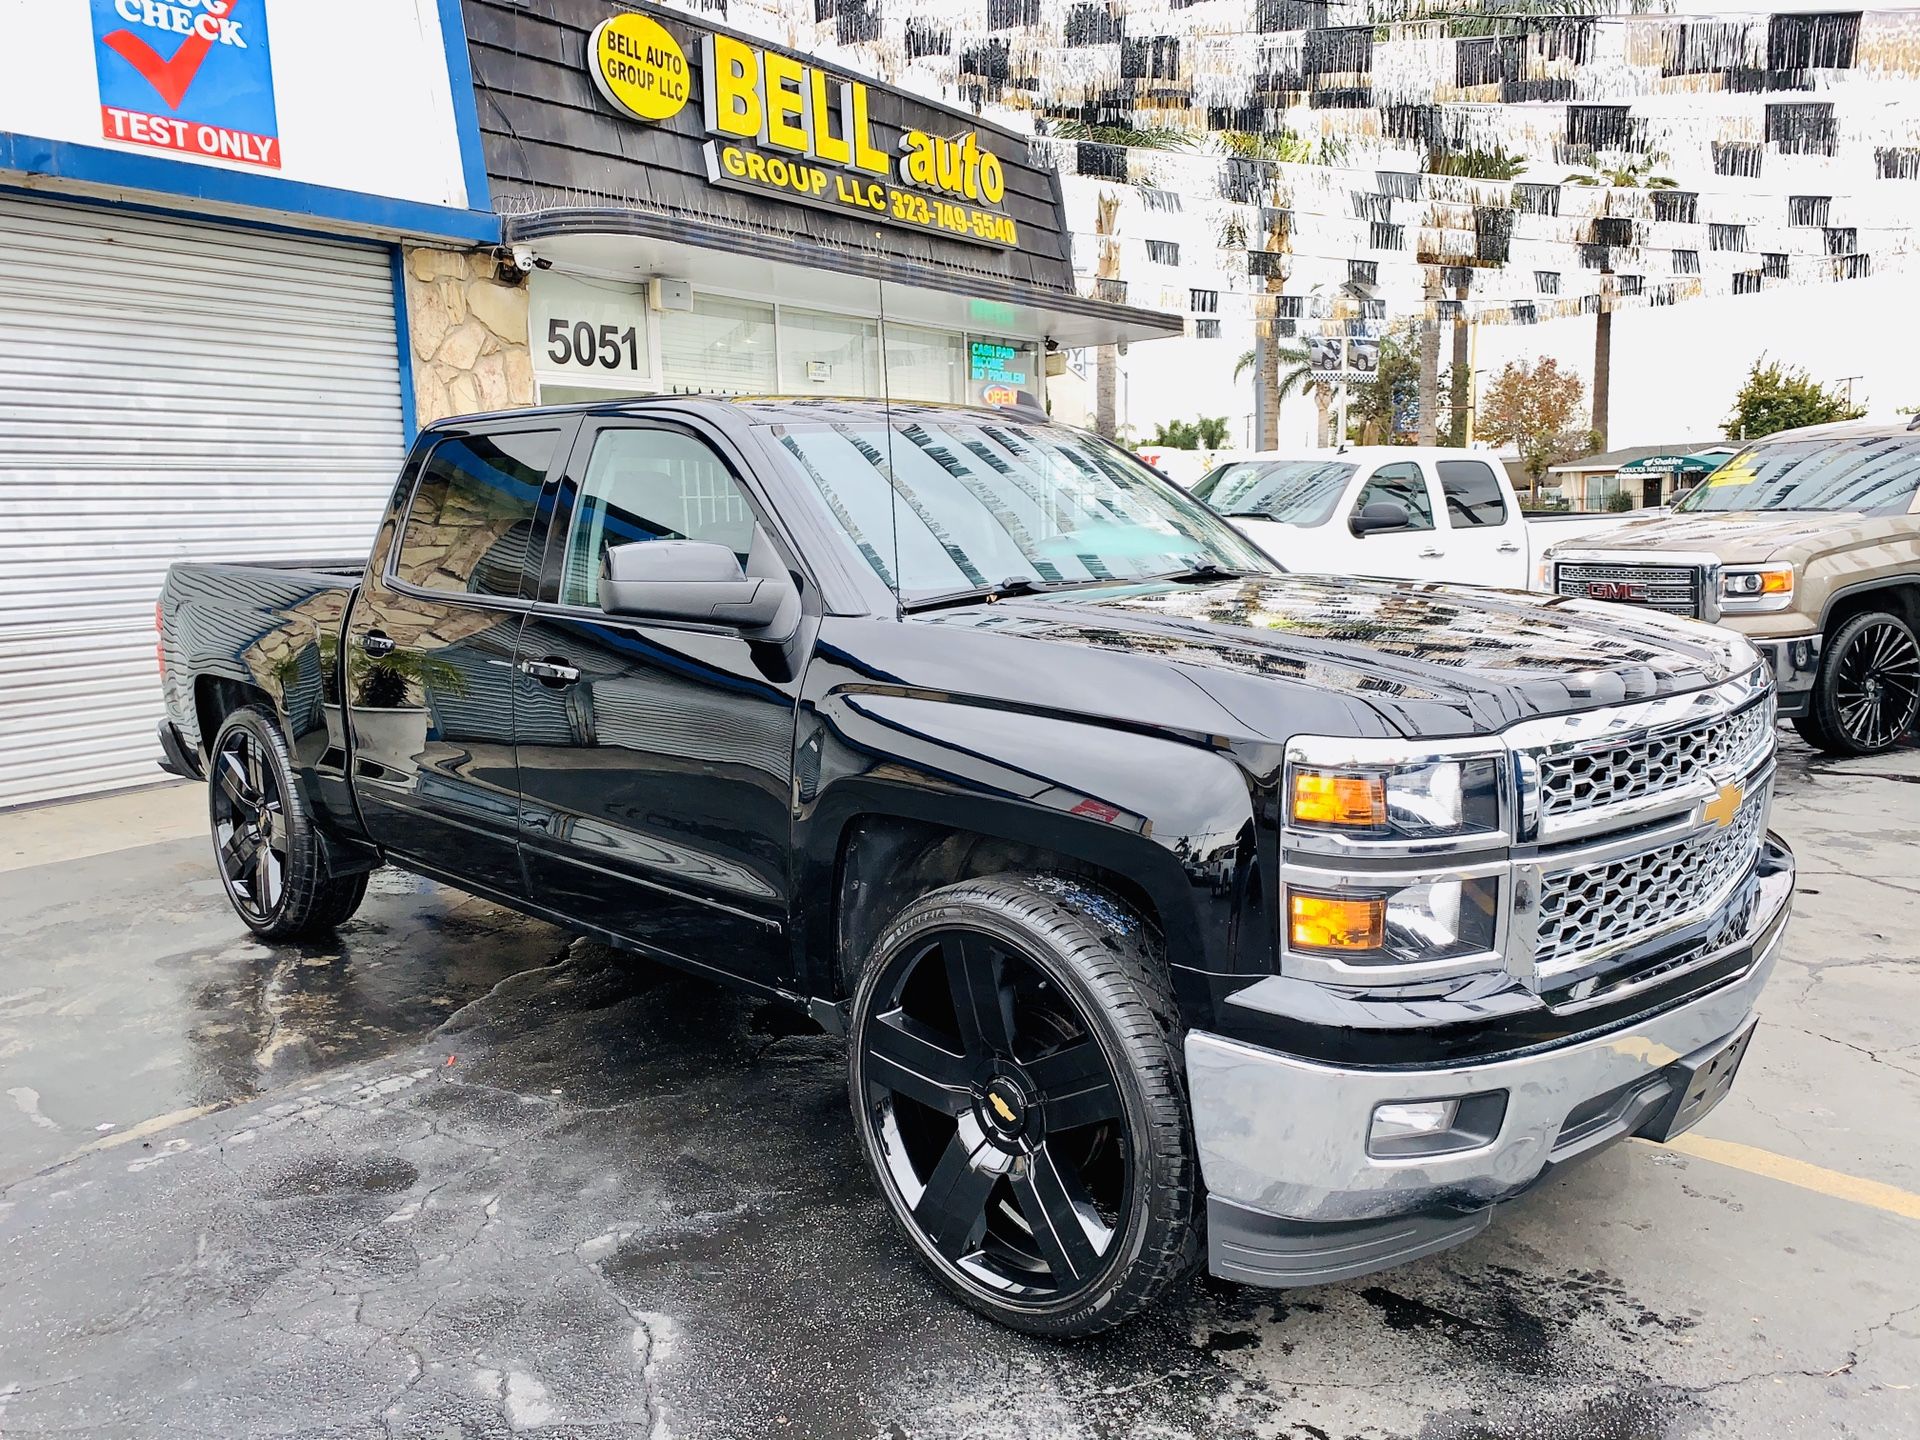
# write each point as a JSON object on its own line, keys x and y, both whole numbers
{"x": 1200, "y": 572}
{"x": 1246, "y": 515}
{"x": 1011, "y": 586}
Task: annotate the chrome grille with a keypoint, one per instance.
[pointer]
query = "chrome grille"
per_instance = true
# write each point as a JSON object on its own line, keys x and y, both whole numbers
{"x": 1603, "y": 906}
{"x": 1588, "y": 780}
{"x": 1674, "y": 589}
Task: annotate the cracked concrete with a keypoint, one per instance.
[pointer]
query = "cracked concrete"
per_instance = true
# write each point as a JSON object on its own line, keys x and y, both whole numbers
{"x": 457, "y": 1176}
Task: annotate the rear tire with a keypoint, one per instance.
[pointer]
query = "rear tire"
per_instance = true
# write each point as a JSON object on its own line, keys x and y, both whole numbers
{"x": 1018, "y": 1091}
{"x": 1866, "y": 698}
{"x": 270, "y": 857}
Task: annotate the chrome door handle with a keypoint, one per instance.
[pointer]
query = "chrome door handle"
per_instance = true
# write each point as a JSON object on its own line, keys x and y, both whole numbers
{"x": 376, "y": 643}
{"x": 1431, "y": 554}
{"x": 1509, "y": 548}
{"x": 549, "y": 672}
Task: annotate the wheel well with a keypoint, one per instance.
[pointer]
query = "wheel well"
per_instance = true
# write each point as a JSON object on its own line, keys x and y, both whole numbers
{"x": 1899, "y": 599}
{"x": 886, "y": 863}
{"x": 215, "y": 698}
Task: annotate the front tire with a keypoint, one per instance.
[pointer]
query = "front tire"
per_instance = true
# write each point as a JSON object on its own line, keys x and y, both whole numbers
{"x": 1018, "y": 1093}
{"x": 270, "y": 856}
{"x": 1866, "y": 698}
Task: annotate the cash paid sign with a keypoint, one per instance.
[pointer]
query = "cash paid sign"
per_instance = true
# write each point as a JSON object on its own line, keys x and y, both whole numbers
{"x": 787, "y": 129}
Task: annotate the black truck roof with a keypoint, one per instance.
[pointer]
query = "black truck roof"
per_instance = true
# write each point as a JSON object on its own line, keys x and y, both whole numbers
{"x": 764, "y": 409}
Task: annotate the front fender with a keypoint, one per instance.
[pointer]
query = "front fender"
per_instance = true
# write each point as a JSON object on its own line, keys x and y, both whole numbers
{"x": 1176, "y": 817}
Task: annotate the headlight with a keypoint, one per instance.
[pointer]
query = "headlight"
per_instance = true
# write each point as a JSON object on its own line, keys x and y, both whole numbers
{"x": 1753, "y": 588}
{"x": 1432, "y": 921}
{"x": 1447, "y": 797}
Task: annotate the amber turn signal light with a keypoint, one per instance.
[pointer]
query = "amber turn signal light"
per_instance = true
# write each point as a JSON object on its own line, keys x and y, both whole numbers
{"x": 1335, "y": 922}
{"x": 1350, "y": 801}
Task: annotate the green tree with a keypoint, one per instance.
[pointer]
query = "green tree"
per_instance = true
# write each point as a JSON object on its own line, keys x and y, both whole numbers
{"x": 1391, "y": 391}
{"x": 1293, "y": 375}
{"x": 1776, "y": 397}
{"x": 1536, "y": 409}
{"x": 1626, "y": 172}
{"x": 1203, "y": 432}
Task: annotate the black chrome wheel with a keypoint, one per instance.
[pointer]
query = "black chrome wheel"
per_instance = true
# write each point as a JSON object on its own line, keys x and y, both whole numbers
{"x": 1867, "y": 696}
{"x": 249, "y": 825}
{"x": 1877, "y": 683}
{"x": 274, "y": 864}
{"x": 1019, "y": 1103}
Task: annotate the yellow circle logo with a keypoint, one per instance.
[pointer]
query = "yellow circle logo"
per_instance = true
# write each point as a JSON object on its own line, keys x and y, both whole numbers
{"x": 639, "y": 67}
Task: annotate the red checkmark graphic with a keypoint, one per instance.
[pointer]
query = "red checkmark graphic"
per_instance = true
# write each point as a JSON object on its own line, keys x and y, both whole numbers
{"x": 172, "y": 78}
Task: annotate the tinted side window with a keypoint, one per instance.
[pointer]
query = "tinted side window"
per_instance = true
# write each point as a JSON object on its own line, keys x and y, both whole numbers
{"x": 1472, "y": 492}
{"x": 650, "y": 485}
{"x": 472, "y": 518}
{"x": 1403, "y": 483}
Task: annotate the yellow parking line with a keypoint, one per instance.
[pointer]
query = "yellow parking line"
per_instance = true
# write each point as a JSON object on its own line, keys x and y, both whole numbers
{"x": 1816, "y": 1178}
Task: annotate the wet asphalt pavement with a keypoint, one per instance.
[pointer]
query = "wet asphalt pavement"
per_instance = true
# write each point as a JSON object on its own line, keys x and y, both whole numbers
{"x": 456, "y": 1175}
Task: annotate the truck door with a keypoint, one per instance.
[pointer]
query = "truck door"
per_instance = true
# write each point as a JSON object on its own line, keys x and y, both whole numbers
{"x": 1414, "y": 551}
{"x": 656, "y": 757}
{"x": 1485, "y": 536}
{"x": 430, "y": 644}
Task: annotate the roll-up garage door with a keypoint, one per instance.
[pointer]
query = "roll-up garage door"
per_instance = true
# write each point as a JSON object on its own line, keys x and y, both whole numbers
{"x": 168, "y": 391}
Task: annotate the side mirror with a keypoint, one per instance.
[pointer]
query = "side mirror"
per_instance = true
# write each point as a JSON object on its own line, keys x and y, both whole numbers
{"x": 699, "y": 581}
{"x": 1380, "y": 515}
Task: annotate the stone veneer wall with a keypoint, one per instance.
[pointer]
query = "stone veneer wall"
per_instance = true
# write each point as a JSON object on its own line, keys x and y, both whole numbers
{"x": 469, "y": 335}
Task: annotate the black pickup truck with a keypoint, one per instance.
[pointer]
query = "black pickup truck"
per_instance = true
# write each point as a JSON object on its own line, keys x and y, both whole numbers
{"x": 1173, "y": 906}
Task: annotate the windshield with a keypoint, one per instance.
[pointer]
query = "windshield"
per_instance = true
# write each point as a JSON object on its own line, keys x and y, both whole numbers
{"x": 982, "y": 502}
{"x": 1294, "y": 492}
{"x": 1877, "y": 475}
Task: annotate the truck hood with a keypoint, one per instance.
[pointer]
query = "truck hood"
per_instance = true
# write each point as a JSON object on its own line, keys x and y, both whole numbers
{"x": 1732, "y": 535}
{"x": 1430, "y": 659}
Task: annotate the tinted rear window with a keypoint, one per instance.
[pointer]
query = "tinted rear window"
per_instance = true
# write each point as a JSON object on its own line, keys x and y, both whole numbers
{"x": 472, "y": 519}
{"x": 1473, "y": 493}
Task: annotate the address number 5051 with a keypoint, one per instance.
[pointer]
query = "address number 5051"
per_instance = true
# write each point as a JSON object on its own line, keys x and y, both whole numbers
{"x": 575, "y": 342}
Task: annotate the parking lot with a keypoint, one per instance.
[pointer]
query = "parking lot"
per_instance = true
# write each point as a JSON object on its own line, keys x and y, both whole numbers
{"x": 457, "y": 1175}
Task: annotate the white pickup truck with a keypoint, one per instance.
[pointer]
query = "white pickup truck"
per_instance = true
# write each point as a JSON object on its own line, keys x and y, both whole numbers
{"x": 1410, "y": 512}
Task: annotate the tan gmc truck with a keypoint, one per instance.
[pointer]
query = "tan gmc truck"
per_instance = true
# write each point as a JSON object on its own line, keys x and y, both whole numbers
{"x": 1808, "y": 544}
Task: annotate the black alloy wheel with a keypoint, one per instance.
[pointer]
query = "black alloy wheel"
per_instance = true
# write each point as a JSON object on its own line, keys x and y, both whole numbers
{"x": 1019, "y": 1102}
{"x": 249, "y": 826}
{"x": 272, "y": 861}
{"x": 1867, "y": 697}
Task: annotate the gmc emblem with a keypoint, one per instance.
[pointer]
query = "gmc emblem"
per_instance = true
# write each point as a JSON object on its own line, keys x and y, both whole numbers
{"x": 1615, "y": 590}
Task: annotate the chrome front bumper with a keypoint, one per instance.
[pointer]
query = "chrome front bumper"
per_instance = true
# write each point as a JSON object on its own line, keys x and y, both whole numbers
{"x": 1794, "y": 663}
{"x": 1287, "y": 1139}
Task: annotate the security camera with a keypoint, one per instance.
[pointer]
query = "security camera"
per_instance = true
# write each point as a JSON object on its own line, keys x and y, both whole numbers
{"x": 523, "y": 257}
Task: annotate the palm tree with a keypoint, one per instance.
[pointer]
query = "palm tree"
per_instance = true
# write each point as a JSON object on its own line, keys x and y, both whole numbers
{"x": 1107, "y": 226}
{"x": 1625, "y": 172}
{"x": 1293, "y": 372}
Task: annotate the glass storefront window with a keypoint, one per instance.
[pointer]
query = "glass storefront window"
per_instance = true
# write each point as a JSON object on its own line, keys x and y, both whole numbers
{"x": 742, "y": 347}
{"x": 823, "y": 354}
{"x": 926, "y": 364}
{"x": 719, "y": 347}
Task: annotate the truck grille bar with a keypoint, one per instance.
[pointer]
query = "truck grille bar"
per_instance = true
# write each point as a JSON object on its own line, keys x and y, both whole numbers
{"x": 1590, "y": 780}
{"x": 1588, "y": 908}
{"x": 1673, "y": 589}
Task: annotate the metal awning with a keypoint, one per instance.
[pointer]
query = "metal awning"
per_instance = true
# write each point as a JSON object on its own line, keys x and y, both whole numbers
{"x": 1649, "y": 466}
{"x": 633, "y": 245}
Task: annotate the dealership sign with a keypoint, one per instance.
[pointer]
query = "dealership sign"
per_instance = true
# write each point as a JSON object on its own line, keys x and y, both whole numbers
{"x": 792, "y": 130}
{"x": 194, "y": 76}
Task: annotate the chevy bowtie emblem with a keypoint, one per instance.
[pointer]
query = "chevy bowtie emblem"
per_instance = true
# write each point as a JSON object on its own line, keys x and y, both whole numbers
{"x": 1000, "y": 1107}
{"x": 1724, "y": 806}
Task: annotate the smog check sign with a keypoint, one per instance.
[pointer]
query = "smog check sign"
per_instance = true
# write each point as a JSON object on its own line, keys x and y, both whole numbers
{"x": 191, "y": 76}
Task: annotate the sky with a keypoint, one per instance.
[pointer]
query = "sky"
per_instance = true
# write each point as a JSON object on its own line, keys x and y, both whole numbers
{"x": 1675, "y": 369}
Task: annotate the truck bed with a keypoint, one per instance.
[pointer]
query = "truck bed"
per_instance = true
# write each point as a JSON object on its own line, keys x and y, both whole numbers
{"x": 270, "y": 625}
